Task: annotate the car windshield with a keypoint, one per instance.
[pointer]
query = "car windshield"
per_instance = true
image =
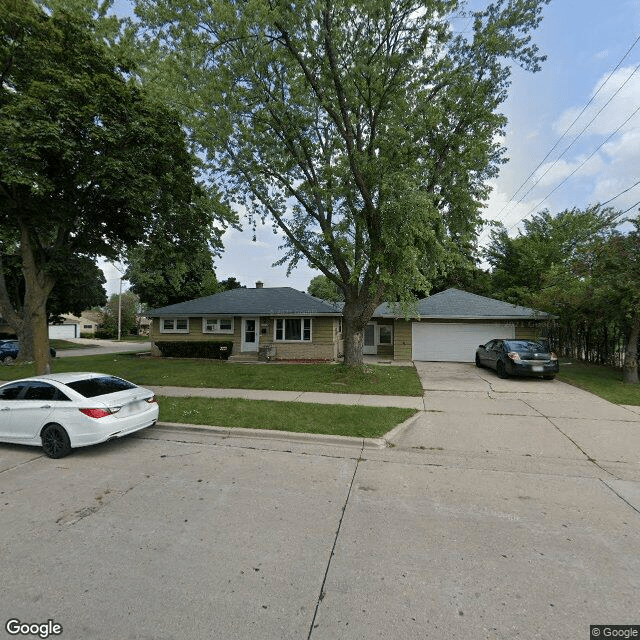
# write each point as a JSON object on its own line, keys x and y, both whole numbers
{"x": 523, "y": 346}
{"x": 92, "y": 387}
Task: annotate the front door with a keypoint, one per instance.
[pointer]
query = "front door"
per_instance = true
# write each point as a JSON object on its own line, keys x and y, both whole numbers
{"x": 250, "y": 334}
{"x": 369, "y": 347}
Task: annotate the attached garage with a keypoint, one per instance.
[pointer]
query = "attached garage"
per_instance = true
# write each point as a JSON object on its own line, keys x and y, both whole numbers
{"x": 63, "y": 331}
{"x": 454, "y": 341}
{"x": 448, "y": 326}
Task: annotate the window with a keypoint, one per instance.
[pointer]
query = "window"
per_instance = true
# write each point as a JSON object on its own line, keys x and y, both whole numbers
{"x": 386, "y": 334}
{"x": 293, "y": 329}
{"x": 217, "y": 325}
{"x": 93, "y": 387}
{"x": 43, "y": 391}
{"x": 174, "y": 325}
{"x": 12, "y": 391}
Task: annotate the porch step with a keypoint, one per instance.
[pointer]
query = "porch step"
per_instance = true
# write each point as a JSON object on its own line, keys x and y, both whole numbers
{"x": 244, "y": 357}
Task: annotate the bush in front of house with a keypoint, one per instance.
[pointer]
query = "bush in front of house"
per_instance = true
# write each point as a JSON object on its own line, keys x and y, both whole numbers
{"x": 219, "y": 350}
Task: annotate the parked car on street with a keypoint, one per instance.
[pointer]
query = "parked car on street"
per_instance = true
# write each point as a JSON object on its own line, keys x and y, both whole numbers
{"x": 62, "y": 411}
{"x": 518, "y": 358}
{"x": 9, "y": 350}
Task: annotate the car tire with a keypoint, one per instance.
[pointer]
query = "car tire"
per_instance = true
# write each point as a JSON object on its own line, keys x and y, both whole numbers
{"x": 500, "y": 370}
{"x": 478, "y": 363}
{"x": 55, "y": 441}
{"x": 548, "y": 377}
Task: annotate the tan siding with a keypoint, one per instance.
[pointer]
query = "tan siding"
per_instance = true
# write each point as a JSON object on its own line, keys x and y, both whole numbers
{"x": 527, "y": 333}
{"x": 324, "y": 345}
{"x": 402, "y": 340}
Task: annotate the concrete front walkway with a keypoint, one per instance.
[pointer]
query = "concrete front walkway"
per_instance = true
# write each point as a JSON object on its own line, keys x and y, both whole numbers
{"x": 403, "y": 402}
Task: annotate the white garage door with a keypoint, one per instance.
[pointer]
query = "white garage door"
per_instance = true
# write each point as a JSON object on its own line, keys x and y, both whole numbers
{"x": 454, "y": 342}
{"x": 62, "y": 331}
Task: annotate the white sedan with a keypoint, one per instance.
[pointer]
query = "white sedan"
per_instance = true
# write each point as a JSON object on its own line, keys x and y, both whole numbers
{"x": 62, "y": 411}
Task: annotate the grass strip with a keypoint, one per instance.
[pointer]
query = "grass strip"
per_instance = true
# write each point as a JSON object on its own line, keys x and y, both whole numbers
{"x": 298, "y": 417}
{"x": 327, "y": 378}
{"x": 605, "y": 382}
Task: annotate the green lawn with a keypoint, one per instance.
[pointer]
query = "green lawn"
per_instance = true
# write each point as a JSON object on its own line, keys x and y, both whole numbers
{"x": 605, "y": 382}
{"x": 375, "y": 379}
{"x": 343, "y": 420}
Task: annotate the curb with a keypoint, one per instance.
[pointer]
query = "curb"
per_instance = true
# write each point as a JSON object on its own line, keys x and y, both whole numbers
{"x": 271, "y": 434}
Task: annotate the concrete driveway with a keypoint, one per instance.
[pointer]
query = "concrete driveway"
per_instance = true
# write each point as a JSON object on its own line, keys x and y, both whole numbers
{"x": 501, "y": 513}
{"x": 470, "y": 411}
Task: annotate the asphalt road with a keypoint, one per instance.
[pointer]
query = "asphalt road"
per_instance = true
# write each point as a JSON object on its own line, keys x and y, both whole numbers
{"x": 501, "y": 512}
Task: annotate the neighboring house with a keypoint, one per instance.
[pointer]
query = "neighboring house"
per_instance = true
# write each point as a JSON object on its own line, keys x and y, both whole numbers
{"x": 72, "y": 327}
{"x": 291, "y": 325}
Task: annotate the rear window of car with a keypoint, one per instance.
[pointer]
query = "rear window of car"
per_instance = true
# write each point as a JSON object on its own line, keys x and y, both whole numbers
{"x": 525, "y": 345}
{"x": 92, "y": 387}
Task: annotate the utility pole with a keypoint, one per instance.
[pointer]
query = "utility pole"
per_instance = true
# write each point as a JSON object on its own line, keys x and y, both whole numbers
{"x": 120, "y": 310}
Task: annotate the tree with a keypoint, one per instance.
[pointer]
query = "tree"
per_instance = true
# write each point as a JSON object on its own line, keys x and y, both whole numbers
{"x": 364, "y": 129}
{"x": 129, "y": 310}
{"x": 579, "y": 266}
{"x": 88, "y": 161}
{"x": 325, "y": 289}
{"x": 79, "y": 286}
{"x": 522, "y": 266}
{"x": 617, "y": 290}
{"x": 229, "y": 284}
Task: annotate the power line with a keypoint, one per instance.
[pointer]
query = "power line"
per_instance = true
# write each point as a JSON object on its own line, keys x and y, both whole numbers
{"x": 621, "y": 193}
{"x": 569, "y": 128}
{"x": 555, "y": 162}
{"x": 593, "y": 153}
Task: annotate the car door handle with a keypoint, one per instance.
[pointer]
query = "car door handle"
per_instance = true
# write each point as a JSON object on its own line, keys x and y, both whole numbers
{"x": 45, "y": 406}
{"x": 5, "y": 409}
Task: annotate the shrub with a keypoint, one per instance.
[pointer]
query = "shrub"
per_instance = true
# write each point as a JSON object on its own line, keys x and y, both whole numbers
{"x": 217, "y": 350}
{"x": 104, "y": 334}
{"x": 87, "y": 334}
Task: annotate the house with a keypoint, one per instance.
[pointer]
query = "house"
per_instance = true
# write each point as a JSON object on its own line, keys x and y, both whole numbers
{"x": 73, "y": 327}
{"x": 286, "y": 324}
{"x": 280, "y": 322}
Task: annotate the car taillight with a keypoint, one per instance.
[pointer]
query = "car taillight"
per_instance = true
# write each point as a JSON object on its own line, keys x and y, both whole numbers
{"x": 554, "y": 356}
{"x": 95, "y": 413}
{"x": 152, "y": 399}
{"x": 514, "y": 355}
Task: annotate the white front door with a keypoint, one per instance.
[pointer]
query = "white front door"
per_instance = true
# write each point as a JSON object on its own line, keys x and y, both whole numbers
{"x": 369, "y": 347}
{"x": 250, "y": 335}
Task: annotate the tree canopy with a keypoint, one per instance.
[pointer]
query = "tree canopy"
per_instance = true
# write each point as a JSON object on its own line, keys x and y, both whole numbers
{"x": 365, "y": 130}
{"x": 88, "y": 161}
{"x": 579, "y": 266}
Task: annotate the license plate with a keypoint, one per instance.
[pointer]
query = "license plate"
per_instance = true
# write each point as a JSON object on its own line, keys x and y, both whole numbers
{"x": 537, "y": 368}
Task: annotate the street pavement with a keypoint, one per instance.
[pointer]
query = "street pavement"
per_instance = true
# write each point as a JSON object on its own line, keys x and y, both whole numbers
{"x": 504, "y": 509}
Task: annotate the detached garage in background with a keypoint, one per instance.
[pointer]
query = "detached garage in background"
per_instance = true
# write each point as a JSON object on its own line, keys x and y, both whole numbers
{"x": 449, "y": 326}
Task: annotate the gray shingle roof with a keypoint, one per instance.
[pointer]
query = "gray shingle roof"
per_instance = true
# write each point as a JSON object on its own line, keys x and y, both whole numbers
{"x": 276, "y": 301}
{"x": 456, "y": 304}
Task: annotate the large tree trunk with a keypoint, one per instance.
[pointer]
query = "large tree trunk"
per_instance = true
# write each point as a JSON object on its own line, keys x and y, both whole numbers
{"x": 630, "y": 369}
{"x": 357, "y": 312}
{"x": 34, "y": 334}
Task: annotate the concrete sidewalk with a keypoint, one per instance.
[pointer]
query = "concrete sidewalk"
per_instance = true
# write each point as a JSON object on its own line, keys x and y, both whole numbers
{"x": 352, "y": 399}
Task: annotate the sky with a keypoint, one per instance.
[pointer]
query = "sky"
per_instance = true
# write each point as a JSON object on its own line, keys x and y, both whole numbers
{"x": 561, "y": 154}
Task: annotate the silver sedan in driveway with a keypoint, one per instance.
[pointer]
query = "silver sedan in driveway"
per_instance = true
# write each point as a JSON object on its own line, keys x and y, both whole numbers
{"x": 67, "y": 410}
